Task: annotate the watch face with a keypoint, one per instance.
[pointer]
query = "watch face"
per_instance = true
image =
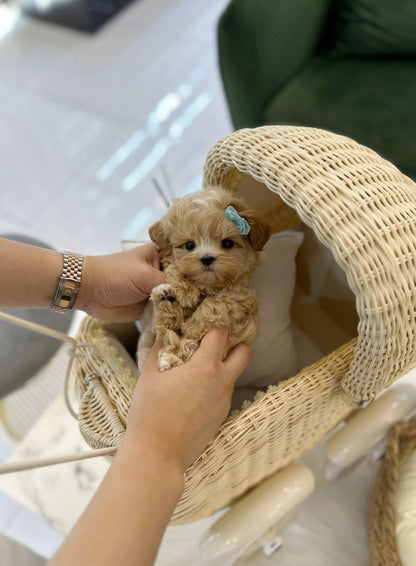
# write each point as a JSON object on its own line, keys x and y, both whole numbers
{"x": 66, "y": 294}
{"x": 64, "y": 302}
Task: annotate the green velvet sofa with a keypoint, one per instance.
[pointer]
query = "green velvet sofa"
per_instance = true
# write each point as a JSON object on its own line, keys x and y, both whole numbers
{"x": 348, "y": 66}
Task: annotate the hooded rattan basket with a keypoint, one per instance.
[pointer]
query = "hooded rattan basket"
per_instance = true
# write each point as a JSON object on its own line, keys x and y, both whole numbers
{"x": 357, "y": 264}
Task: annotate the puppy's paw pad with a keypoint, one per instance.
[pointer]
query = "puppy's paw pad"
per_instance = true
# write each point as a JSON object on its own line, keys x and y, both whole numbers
{"x": 168, "y": 360}
{"x": 164, "y": 365}
{"x": 163, "y": 292}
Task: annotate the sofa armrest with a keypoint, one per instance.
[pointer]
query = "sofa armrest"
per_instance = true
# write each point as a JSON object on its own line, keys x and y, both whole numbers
{"x": 261, "y": 44}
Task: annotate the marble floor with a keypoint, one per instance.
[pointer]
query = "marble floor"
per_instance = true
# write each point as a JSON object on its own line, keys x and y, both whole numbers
{"x": 89, "y": 122}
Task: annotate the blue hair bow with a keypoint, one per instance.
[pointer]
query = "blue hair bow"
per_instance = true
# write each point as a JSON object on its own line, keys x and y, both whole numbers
{"x": 242, "y": 225}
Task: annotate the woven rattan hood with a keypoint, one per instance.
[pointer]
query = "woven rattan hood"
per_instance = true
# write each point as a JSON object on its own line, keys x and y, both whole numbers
{"x": 364, "y": 210}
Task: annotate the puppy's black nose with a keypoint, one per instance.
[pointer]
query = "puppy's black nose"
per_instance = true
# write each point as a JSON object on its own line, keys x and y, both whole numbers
{"x": 207, "y": 259}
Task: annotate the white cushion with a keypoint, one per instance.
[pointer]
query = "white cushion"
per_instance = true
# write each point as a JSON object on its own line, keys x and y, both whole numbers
{"x": 274, "y": 353}
{"x": 405, "y": 507}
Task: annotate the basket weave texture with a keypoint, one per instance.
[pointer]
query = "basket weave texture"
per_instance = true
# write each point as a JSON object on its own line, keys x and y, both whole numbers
{"x": 364, "y": 210}
{"x": 381, "y": 515}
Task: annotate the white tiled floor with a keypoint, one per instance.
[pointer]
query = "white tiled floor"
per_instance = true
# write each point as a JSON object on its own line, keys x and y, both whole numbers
{"x": 86, "y": 123}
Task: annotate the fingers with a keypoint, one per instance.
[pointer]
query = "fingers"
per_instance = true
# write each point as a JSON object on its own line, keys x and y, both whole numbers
{"x": 152, "y": 361}
{"x": 148, "y": 272}
{"x": 213, "y": 344}
{"x": 151, "y": 254}
{"x": 237, "y": 360}
{"x": 150, "y": 278}
{"x": 212, "y": 348}
{"x": 158, "y": 277}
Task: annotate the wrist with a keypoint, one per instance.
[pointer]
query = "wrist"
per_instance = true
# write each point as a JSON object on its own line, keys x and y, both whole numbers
{"x": 139, "y": 447}
{"x": 144, "y": 462}
{"x": 29, "y": 274}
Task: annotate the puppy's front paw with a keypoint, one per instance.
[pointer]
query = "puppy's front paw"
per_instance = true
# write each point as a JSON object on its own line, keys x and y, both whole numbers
{"x": 168, "y": 360}
{"x": 163, "y": 292}
{"x": 164, "y": 365}
{"x": 188, "y": 296}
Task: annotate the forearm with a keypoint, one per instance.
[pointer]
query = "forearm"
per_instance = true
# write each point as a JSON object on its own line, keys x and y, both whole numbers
{"x": 29, "y": 275}
{"x": 172, "y": 418}
{"x": 126, "y": 519}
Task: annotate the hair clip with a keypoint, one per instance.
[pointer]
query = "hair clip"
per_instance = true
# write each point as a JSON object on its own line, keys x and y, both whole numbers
{"x": 242, "y": 225}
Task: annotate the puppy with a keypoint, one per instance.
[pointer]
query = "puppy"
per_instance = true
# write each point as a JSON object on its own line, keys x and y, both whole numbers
{"x": 209, "y": 244}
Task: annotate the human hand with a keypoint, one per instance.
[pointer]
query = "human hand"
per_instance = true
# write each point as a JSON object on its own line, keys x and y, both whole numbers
{"x": 116, "y": 286}
{"x": 179, "y": 411}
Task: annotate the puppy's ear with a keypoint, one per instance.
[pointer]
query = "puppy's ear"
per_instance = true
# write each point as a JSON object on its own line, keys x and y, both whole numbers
{"x": 159, "y": 237}
{"x": 259, "y": 228}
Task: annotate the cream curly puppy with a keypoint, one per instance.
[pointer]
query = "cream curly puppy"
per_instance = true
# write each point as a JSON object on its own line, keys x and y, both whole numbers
{"x": 209, "y": 244}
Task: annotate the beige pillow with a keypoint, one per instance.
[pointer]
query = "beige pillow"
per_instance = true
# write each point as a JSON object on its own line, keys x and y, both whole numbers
{"x": 274, "y": 354}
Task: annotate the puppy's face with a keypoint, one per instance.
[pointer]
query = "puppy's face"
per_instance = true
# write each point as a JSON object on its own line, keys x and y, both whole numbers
{"x": 211, "y": 252}
{"x": 205, "y": 246}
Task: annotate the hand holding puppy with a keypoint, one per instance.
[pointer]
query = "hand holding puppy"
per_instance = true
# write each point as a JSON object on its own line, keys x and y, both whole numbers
{"x": 116, "y": 286}
{"x": 191, "y": 401}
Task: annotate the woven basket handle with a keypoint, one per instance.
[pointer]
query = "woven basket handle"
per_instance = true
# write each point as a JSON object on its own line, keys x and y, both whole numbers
{"x": 364, "y": 210}
{"x": 12, "y": 467}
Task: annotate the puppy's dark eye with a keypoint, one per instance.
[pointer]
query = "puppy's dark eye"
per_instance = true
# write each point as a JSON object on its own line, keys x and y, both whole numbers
{"x": 227, "y": 244}
{"x": 190, "y": 245}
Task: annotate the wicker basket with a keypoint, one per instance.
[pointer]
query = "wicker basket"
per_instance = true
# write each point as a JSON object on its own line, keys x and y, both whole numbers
{"x": 356, "y": 269}
{"x": 382, "y": 518}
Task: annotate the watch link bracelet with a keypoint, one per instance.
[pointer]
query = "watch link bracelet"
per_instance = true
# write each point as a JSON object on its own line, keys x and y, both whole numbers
{"x": 69, "y": 282}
